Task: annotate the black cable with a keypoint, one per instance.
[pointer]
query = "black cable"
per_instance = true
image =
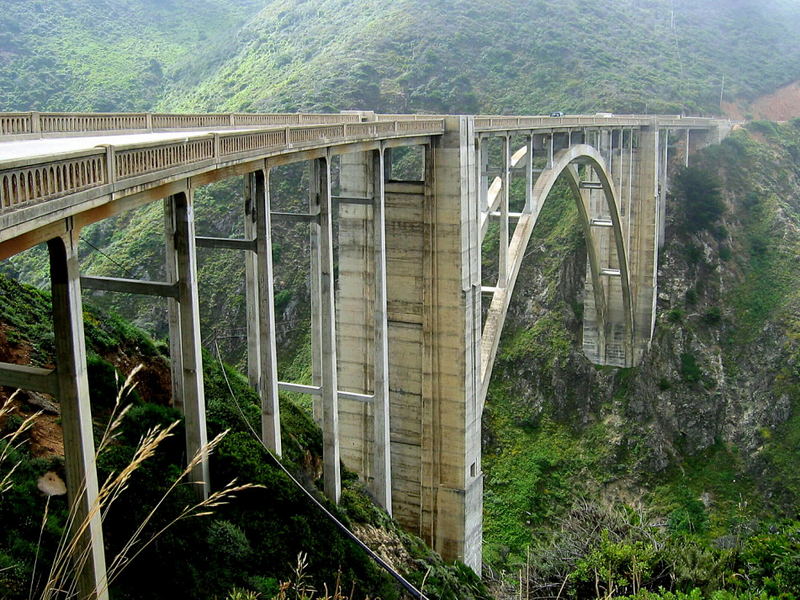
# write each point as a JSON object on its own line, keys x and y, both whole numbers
{"x": 407, "y": 585}
{"x": 91, "y": 245}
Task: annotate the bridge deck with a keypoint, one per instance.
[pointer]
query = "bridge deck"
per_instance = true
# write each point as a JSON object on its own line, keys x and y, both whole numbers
{"x": 12, "y": 149}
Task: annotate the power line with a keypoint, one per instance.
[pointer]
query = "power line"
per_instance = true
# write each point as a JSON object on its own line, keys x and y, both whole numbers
{"x": 407, "y": 585}
{"x": 120, "y": 265}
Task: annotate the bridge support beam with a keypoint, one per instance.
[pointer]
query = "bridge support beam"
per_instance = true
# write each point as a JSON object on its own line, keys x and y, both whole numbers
{"x": 324, "y": 342}
{"x": 433, "y": 277}
{"x": 262, "y": 364}
{"x": 362, "y": 330}
{"x": 644, "y": 228}
{"x": 76, "y": 419}
{"x": 184, "y": 322}
{"x": 451, "y": 324}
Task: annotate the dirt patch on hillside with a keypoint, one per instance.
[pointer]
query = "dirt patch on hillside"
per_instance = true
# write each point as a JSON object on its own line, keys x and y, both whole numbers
{"x": 781, "y": 105}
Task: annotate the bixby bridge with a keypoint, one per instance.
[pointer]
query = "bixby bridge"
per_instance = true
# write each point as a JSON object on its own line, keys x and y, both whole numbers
{"x": 402, "y": 350}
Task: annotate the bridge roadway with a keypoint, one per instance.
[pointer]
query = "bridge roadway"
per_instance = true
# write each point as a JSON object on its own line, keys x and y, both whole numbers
{"x": 401, "y": 353}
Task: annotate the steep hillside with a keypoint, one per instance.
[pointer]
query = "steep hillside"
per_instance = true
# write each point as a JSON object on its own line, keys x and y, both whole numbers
{"x": 502, "y": 57}
{"x": 687, "y": 462}
{"x": 408, "y": 55}
{"x": 102, "y": 55}
{"x": 248, "y": 541}
{"x": 781, "y": 105}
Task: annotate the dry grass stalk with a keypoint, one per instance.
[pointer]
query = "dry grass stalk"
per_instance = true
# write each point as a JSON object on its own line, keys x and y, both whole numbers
{"x": 12, "y": 441}
{"x": 70, "y": 556}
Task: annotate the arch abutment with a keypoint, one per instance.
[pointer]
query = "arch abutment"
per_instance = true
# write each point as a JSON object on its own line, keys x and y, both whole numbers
{"x": 433, "y": 268}
{"x": 184, "y": 321}
{"x": 76, "y": 420}
{"x": 322, "y": 233}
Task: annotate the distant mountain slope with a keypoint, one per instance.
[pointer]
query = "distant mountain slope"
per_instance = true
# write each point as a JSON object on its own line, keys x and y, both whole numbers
{"x": 103, "y": 55}
{"x": 500, "y": 56}
{"x": 407, "y": 55}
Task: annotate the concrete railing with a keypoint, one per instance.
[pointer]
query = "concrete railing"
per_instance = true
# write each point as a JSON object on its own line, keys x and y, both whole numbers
{"x": 35, "y": 124}
{"x": 25, "y": 182}
{"x": 500, "y": 123}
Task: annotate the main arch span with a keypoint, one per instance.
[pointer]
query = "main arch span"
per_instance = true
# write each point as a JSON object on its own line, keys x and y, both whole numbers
{"x": 402, "y": 354}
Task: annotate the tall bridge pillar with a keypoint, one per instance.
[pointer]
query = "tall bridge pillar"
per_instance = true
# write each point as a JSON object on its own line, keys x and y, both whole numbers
{"x": 362, "y": 328}
{"x": 643, "y": 242}
{"x": 73, "y": 394}
{"x": 432, "y": 268}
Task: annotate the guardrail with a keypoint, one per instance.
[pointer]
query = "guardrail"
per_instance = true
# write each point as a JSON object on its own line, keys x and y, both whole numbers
{"x": 499, "y": 123}
{"x": 48, "y": 124}
{"x": 25, "y": 182}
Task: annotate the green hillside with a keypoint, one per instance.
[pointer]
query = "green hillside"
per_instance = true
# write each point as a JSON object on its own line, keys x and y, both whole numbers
{"x": 681, "y": 472}
{"x": 104, "y": 55}
{"x": 500, "y": 56}
{"x": 409, "y": 55}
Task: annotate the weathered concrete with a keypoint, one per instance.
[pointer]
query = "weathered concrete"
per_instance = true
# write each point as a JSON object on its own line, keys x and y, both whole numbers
{"x": 323, "y": 232}
{"x": 185, "y": 337}
{"x": 362, "y": 330}
{"x": 267, "y": 370}
{"x": 76, "y": 418}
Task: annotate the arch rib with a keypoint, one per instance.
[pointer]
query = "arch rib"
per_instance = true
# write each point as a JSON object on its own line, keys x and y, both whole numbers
{"x": 565, "y": 162}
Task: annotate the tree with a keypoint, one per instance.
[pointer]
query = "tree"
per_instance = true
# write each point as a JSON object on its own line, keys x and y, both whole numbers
{"x": 699, "y": 194}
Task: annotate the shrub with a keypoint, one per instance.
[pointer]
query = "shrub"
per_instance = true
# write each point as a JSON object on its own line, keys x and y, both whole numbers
{"x": 690, "y": 370}
{"x": 675, "y": 315}
{"x": 699, "y": 192}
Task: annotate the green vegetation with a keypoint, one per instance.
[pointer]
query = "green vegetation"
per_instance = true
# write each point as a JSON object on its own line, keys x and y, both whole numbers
{"x": 407, "y": 56}
{"x": 86, "y": 55}
{"x": 504, "y": 57}
{"x": 700, "y": 195}
{"x": 250, "y": 544}
{"x": 625, "y": 484}
{"x": 670, "y": 481}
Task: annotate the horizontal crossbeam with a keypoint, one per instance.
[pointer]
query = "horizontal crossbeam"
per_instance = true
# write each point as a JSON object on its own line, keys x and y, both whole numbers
{"x": 301, "y": 217}
{"x": 610, "y": 272}
{"x": 601, "y": 223}
{"x": 315, "y": 390}
{"x": 228, "y": 243}
{"x": 29, "y": 378}
{"x": 511, "y": 215}
{"x": 352, "y": 200}
{"x": 131, "y": 286}
{"x": 591, "y": 185}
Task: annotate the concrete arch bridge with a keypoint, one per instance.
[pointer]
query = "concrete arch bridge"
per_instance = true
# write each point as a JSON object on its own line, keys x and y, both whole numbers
{"x": 401, "y": 354}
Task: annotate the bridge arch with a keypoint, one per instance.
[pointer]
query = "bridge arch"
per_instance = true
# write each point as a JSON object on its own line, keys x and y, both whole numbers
{"x": 565, "y": 162}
